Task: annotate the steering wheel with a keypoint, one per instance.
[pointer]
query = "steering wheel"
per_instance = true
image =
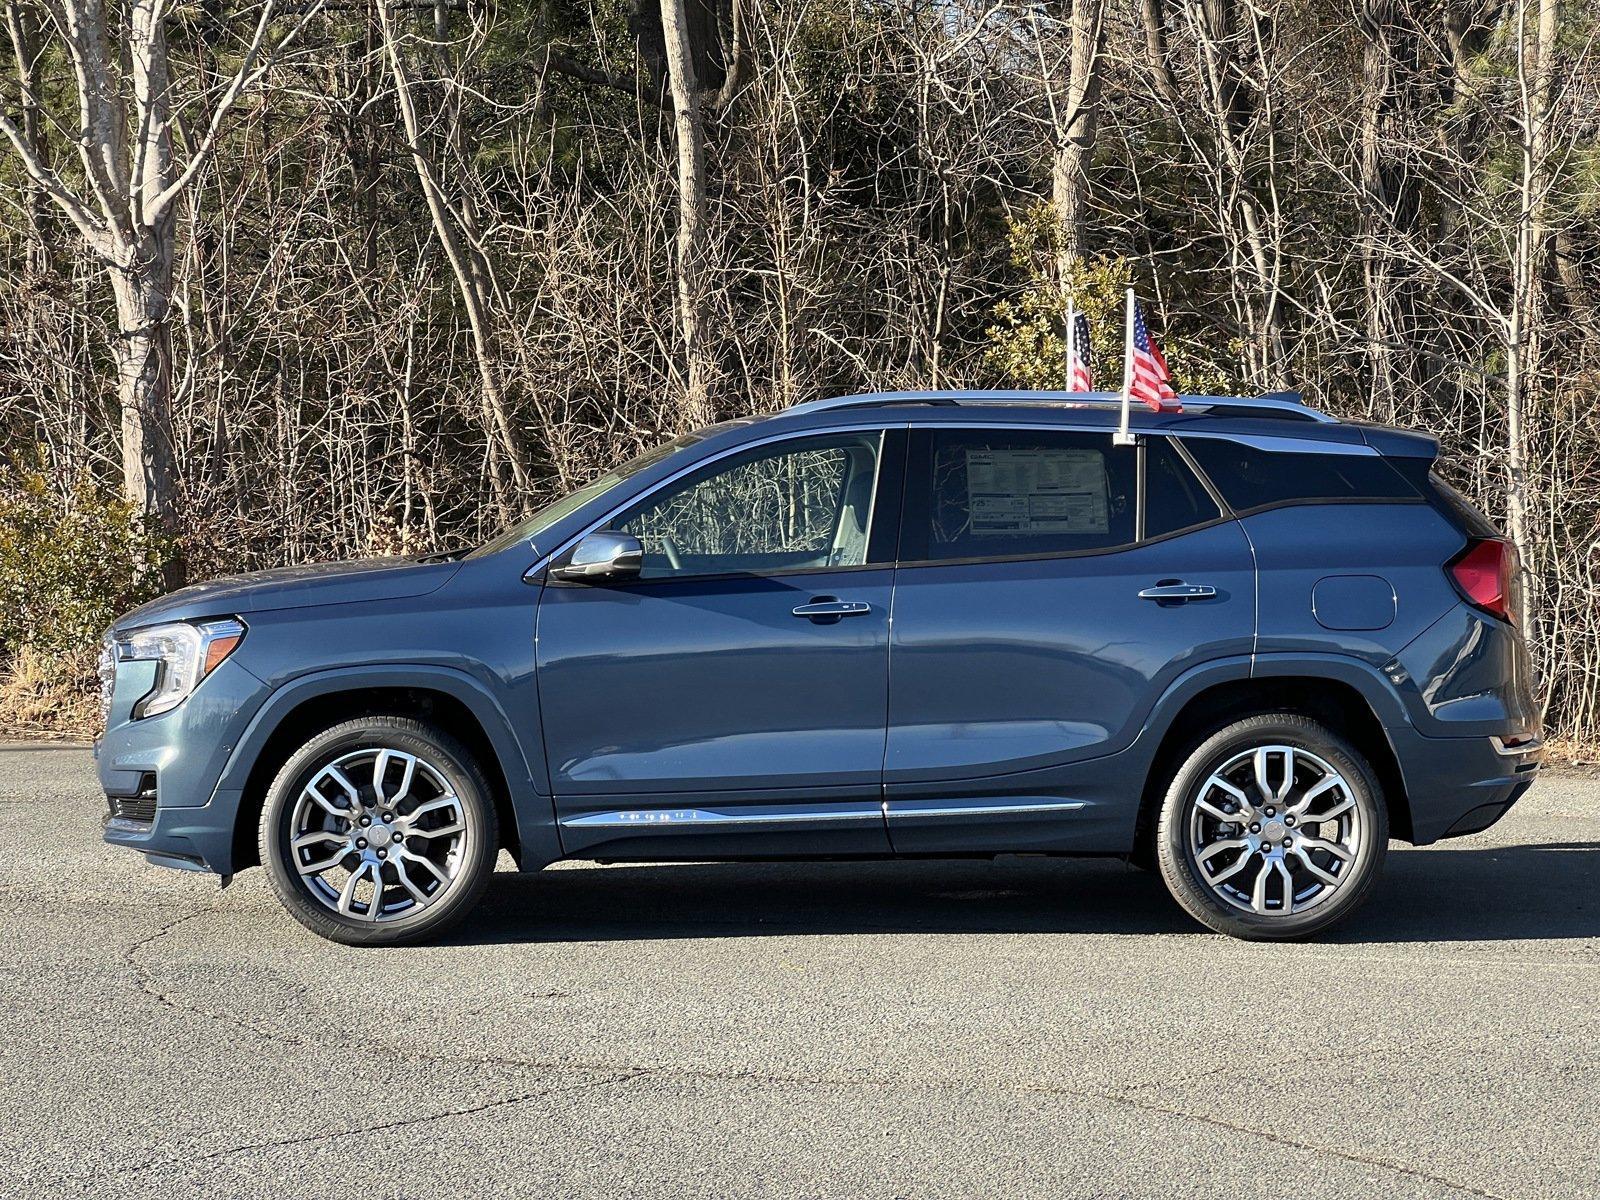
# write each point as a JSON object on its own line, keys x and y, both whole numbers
{"x": 670, "y": 549}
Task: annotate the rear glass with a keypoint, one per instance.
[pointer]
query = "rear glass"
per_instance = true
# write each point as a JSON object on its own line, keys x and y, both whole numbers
{"x": 1250, "y": 478}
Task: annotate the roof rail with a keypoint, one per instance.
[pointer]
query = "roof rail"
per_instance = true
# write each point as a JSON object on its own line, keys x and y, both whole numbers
{"x": 1277, "y": 403}
{"x": 866, "y": 400}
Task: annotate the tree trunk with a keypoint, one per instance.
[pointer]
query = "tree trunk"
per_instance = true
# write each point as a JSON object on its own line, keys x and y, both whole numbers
{"x": 143, "y": 355}
{"x": 1076, "y": 125}
{"x": 694, "y": 401}
{"x": 470, "y": 275}
{"x": 22, "y": 24}
{"x": 1536, "y": 72}
{"x": 1153, "y": 15}
{"x": 142, "y": 284}
{"x": 1246, "y": 221}
{"x": 1391, "y": 207}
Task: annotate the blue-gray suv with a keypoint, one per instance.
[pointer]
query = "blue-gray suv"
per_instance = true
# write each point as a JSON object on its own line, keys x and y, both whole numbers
{"x": 1244, "y": 647}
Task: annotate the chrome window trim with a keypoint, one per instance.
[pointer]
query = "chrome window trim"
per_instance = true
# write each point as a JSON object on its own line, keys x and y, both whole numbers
{"x": 1281, "y": 445}
{"x": 1260, "y": 442}
{"x": 1271, "y": 443}
{"x": 792, "y": 435}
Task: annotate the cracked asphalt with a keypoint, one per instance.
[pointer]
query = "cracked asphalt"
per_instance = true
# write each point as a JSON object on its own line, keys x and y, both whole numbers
{"x": 1026, "y": 1027}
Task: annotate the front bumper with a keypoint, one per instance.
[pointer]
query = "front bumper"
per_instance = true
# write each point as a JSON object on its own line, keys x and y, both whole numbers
{"x": 160, "y": 774}
{"x": 1461, "y": 786}
{"x": 190, "y": 839}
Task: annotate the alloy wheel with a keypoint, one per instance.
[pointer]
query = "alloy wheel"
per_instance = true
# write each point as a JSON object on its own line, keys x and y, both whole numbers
{"x": 377, "y": 834}
{"x": 1275, "y": 830}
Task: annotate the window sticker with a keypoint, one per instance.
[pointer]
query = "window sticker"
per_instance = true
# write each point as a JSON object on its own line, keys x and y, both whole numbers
{"x": 1037, "y": 491}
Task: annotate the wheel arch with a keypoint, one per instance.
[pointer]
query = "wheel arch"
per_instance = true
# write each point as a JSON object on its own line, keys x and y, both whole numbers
{"x": 1336, "y": 701}
{"x": 454, "y": 702}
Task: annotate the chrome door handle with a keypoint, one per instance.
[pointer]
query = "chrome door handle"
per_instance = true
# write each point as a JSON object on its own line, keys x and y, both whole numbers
{"x": 822, "y": 608}
{"x": 1177, "y": 593}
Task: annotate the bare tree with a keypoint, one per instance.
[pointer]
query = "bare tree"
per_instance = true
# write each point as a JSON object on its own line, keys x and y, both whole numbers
{"x": 693, "y": 222}
{"x": 474, "y": 280}
{"x": 126, "y": 210}
{"x": 1075, "y": 117}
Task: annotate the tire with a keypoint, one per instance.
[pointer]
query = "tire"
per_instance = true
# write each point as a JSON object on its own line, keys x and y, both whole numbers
{"x": 1327, "y": 880}
{"x": 437, "y": 805}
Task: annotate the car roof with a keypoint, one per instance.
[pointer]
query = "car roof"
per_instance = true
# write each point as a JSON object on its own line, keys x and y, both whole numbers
{"x": 1278, "y": 416}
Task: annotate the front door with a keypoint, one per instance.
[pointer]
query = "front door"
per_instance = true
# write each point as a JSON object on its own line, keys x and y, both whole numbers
{"x": 1052, "y": 585}
{"x": 733, "y": 699}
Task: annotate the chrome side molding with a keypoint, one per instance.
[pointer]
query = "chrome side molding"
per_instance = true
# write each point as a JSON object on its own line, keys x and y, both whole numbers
{"x": 643, "y": 817}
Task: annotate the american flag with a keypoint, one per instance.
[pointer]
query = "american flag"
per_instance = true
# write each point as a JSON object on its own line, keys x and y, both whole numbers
{"x": 1079, "y": 378}
{"x": 1150, "y": 380}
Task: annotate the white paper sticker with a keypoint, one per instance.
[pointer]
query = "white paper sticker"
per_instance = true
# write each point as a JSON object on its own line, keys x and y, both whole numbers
{"x": 1037, "y": 491}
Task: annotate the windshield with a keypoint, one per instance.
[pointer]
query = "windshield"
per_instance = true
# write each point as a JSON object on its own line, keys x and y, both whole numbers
{"x": 529, "y": 528}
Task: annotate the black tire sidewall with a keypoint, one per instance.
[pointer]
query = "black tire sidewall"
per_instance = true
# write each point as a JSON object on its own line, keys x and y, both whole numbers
{"x": 1181, "y": 872}
{"x": 445, "y": 754}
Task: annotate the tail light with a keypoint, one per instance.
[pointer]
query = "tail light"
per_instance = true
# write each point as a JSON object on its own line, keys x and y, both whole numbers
{"x": 1484, "y": 573}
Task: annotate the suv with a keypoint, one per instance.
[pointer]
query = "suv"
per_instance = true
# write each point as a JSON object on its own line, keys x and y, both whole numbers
{"x": 1244, "y": 650}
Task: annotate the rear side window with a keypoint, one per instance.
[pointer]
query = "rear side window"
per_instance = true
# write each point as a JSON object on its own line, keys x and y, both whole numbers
{"x": 1251, "y": 478}
{"x": 1174, "y": 498}
{"x": 994, "y": 493}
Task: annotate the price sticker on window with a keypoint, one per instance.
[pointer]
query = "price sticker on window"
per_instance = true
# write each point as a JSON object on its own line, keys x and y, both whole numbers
{"x": 1037, "y": 490}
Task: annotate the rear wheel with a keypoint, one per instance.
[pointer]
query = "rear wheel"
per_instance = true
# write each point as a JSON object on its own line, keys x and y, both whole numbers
{"x": 379, "y": 831}
{"x": 1273, "y": 828}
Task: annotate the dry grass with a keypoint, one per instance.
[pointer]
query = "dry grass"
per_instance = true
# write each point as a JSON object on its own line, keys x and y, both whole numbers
{"x": 46, "y": 695}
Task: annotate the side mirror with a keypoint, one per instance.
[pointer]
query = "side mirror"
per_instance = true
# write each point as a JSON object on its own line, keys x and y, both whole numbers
{"x": 602, "y": 556}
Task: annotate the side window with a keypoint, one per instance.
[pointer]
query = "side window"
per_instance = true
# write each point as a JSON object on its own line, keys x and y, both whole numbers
{"x": 804, "y": 503}
{"x": 1250, "y": 478}
{"x": 1174, "y": 497}
{"x": 994, "y": 493}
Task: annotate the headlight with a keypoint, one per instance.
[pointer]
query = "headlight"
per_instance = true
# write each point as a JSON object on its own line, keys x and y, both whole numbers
{"x": 184, "y": 654}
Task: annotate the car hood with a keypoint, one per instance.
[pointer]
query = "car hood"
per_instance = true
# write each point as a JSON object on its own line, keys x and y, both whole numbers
{"x": 296, "y": 587}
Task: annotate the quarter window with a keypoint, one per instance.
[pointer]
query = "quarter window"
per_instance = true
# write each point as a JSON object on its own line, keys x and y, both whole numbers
{"x": 1250, "y": 478}
{"x": 803, "y": 504}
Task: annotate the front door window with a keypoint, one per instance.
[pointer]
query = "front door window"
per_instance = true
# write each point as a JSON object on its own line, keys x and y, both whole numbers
{"x": 803, "y": 505}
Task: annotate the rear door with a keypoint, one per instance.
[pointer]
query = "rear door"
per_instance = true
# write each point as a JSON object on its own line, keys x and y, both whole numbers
{"x": 1051, "y": 586}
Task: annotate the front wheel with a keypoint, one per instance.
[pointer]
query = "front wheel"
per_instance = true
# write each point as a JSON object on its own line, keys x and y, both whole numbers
{"x": 379, "y": 831}
{"x": 1273, "y": 828}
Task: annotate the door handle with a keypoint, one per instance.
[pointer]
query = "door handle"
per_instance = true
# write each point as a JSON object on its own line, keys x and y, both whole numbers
{"x": 1175, "y": 591}
{"x": 831, "y": 608}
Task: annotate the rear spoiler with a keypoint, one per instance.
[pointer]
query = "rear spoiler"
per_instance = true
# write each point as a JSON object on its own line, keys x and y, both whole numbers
{"x": 1400, "y": 443}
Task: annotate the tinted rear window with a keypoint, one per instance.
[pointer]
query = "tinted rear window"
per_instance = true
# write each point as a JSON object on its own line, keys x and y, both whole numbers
{"x": 1250, "y": 478}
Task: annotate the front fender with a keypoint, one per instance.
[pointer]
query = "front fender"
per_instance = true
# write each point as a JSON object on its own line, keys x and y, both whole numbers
{"x": 533, "y": 811}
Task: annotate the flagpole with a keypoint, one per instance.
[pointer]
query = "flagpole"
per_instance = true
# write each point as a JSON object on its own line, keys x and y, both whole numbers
{"x": 1072, "y": 339}
{"x": 1123, "y": 437}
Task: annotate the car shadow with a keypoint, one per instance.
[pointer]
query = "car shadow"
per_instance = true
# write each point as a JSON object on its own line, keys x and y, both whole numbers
{"x": 1440, "y": 894}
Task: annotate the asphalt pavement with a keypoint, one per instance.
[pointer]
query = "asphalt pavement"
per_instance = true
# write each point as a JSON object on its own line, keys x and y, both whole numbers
{"x": 1026, "y": 1027}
